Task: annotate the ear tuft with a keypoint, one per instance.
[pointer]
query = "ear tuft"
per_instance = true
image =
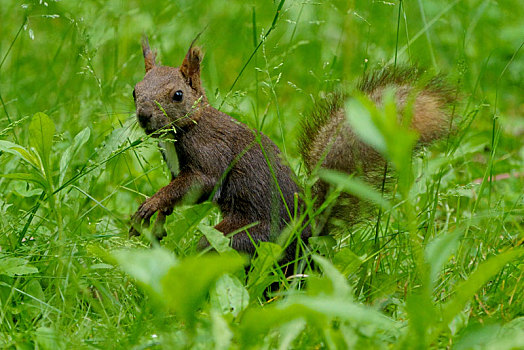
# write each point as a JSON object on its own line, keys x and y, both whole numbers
{"x": 149, "y": 56}
{"x": 190, "y": 67}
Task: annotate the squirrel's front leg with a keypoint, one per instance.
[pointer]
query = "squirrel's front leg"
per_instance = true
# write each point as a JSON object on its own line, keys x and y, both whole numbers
{"x": 165, "y": 199}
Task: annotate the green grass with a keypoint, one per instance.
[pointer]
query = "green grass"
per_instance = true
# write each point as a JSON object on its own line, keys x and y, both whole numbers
{"x": 441, "y": 267}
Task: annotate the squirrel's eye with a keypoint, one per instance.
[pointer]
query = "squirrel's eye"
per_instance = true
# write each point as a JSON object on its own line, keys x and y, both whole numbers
{"x": 134, "y": 94}
{"x": 177, "y": 97}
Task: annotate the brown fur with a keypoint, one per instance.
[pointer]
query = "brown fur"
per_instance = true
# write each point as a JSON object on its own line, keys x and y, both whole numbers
{"x": 238, "y": 168}
{"x": 329, "y": 142}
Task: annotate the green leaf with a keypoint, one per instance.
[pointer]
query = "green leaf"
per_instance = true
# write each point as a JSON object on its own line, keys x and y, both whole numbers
{"x": 466, "y": 290}
{"x": 354, "y": 186}
{"x": 11, "y": 266}
{"x": 21, "y": 152}
{"x": 349, "y": 311}
{"x": 383, "y": 129}
{"x": 79, "y": 140}
{"x": 511, "y": 336}
{"x": 188, "y": 220}
{"x": 186, "y": 285}
{"x": 34, "y": 300}
{"x": 400, "y": 140}
{"x": 317, "y": 311}
{"x": 477, "y": 336}
{"x": 48, "y": 339}
{"x": 29, "y": 177}
{"x": 262, "y": 265}
{"x": 222, "y": 334}
{"x": 340, "y": 285}
{"x": 41, "y": 131}
{"x": 147, "y": 266}
{"x": 493, "y": 336}
{"x": 215, "y": 238}
{"x": 229, "y": 295}
{"x": 438, "y": 252}
{"x": 346, "y": 261}
{"x": 289, "y": 332}
{"x": 358, "y": 114}
{"x": 323, "y": 244}
{"x": 257, "y": 322}
{"x": 422, "y": 316}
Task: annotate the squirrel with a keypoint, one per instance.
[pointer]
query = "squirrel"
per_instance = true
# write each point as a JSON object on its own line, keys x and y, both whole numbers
{"x": 238, "y": 168}
{"x": 241, "y": 169}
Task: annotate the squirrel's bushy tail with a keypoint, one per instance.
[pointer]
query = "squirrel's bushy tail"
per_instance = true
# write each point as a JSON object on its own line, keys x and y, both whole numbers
{"x": 329, "y": 142}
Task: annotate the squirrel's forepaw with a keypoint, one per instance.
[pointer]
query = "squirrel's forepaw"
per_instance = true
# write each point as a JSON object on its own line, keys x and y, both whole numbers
{"x": 146, "y": 211}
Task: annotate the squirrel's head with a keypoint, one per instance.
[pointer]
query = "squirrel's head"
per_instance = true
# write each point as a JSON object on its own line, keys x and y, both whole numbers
{"x": 169, "y": 96}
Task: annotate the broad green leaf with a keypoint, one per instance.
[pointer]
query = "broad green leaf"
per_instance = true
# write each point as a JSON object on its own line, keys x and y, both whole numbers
{"x": 466, "y": 290}
{"x": 215, "y": 238}
{"x": 222, "y": 334}
{"x": 21, "y": 152}
{"x": 79, "y": 140}
{"x": 289, "y": 332}
{"x": 34, "y": 300}
{"x": 317, "y": 311}
{"x": 346, "y": 261}
{"x": 30, "y": 177}
{"x": 21, "y": 189}
{"x": 229, "y": 295}
{"x": 354, "y": 186}
{"x": 422, "y": 316}
{"x": 493, "y": 336}
{"x": 147, "y": 266}
{"x": 323, "y": 244}
{"x": 257, "y": 322}
{"x": 41, "y": 131}
{"x": 186, "y": 285}
{"x": 460, "y": 321}
{"x": 511, "y": 336}
{"x": 477, "y": 336}
{"x": 188, "y": 220}
{"x": 349, "y": 311}
{"x": 49, "y": 339}
{"x": 383, "y": 130}
{"x": 400, "y": 140}
{"x": 11, "y": 266}
{"x": 341, "y": 287}
{"x": 359, "y": 116}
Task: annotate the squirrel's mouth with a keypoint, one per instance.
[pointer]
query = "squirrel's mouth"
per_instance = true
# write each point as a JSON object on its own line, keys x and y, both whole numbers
{"x": 148, "y": 128}
{"x": 149, "y": 131}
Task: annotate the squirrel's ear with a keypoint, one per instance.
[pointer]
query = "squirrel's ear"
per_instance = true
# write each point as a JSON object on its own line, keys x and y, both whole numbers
{"x": 149, "y": 56}
{"x": 190, "y": 67}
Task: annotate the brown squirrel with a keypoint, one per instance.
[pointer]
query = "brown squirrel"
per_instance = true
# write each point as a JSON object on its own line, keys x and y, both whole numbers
{"x": 236, "y": 167}
{"x": 241, "y": 169}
